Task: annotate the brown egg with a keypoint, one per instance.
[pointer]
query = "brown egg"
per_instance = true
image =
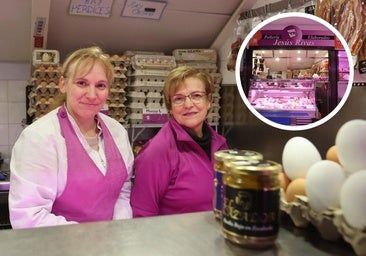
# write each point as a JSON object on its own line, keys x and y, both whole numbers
{"x": 284, "y": 180}
{"x": 295, "y": 187}
{"x": 332, "y": 154}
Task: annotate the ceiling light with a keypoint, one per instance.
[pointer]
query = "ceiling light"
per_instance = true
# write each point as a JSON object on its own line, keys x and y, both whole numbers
{"x": 277, "y": 59}
{"x": 298, "y": 59}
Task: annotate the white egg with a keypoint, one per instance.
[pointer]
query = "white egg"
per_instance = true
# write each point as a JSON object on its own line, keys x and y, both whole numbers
{"x": 351, "y": 145}
{"x": 297, "y": 157}
{"x": 324, "y": 181}
{"x": 352, "y": 199}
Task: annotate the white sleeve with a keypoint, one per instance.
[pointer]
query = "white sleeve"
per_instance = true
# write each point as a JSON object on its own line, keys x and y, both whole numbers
{"x": 34, "y": 179}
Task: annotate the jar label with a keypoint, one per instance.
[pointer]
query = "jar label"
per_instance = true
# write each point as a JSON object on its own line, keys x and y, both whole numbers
{"x": 250, "y": 212}
{"x": 219, "y": 191}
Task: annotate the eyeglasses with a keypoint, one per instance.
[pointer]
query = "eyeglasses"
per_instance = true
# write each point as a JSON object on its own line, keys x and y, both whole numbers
{"x": 195, "y": 97}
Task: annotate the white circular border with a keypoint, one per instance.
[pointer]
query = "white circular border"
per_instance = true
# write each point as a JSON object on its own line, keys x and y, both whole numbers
{"x": 289, "y": 127}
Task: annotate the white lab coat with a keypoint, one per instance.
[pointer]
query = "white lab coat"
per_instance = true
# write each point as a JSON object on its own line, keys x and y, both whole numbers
{"x": 38, "y": 171}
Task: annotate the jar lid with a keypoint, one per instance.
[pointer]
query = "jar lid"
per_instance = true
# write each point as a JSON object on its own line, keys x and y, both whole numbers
{"x": 256, "y": 167}
{"x": 237, "y": 155}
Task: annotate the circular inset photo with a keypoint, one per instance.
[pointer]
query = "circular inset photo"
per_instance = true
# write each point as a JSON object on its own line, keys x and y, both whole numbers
{"x": 294, "y": 71}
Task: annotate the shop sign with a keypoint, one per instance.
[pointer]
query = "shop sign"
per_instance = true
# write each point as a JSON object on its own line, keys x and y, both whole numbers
{"x": 97, "y": 8}
{"x": 293, "y": 36}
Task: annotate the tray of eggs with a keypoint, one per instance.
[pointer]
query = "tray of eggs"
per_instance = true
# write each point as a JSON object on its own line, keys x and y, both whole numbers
{"x": 328, "y": 193}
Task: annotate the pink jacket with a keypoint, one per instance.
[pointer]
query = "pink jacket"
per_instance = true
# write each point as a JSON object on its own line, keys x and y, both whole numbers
{"x": 173, "y": 174}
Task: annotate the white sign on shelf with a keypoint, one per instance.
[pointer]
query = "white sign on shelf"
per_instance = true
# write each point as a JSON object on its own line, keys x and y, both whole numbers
{"x": 98, "y": 8}
{"x": 143, "y": 9}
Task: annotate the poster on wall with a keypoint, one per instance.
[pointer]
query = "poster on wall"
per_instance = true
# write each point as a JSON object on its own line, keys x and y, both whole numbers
{"x": 96, "y": 8}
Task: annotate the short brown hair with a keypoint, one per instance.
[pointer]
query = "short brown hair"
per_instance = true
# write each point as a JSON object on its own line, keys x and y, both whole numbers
{"x": 178, "y": 75}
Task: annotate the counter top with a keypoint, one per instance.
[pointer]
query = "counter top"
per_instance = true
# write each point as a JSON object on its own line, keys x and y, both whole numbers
{"x": 185, "y": 234}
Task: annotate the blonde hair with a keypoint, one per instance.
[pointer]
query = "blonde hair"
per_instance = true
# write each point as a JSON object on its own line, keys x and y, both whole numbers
{"x": 177, "y": 77}
{"x": 80, "y": 62}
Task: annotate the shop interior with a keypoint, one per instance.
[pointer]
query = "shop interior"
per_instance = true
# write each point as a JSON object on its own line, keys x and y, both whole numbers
{"x": 218, "y": 30}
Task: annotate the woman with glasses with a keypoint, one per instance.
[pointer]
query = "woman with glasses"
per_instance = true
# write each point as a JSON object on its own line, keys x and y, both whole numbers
{"x": 174, "y": 170}
{"x": 74, "y": 164}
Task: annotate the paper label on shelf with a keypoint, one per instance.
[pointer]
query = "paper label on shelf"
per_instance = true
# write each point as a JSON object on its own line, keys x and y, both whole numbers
{"x": 154, "y": 116}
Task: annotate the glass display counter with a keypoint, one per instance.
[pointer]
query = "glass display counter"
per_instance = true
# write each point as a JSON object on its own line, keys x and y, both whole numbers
{"x": 288, "y": 102}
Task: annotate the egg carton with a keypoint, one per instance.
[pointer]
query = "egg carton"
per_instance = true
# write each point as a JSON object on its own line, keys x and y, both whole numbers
{"x": 201, "y": 66}
{"x": 119, "y": 84}
{"x": 153, "y": 105}
{"x": 120, "y": 60}
{"x": 213, "y": 117}
{"x": 117, "y": 110}
{"x": 153, "y": 97}
{"x": 191, "y": 55}
{"x": 155, "y": 74}
{"x": 164, "y": 62}
{"x": 216, "y": 77}
{"x": 120, "y": 69}
{"x": 136, "y": 96}
{"x": 49, "y": 73}
{"x": 45, "y": 57}
{"x": 330, "y": 223}
{"x": 134, "y": 118}
{"x": 131, "y": 53}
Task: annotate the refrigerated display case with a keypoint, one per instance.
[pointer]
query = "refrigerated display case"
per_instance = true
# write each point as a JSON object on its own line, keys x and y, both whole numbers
{"x": 284, "y": 101}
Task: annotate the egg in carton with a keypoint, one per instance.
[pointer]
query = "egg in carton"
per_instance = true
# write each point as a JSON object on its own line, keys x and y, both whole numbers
{"x": 122, "y": 62}
{"x": 153, "y": 105}
{"x": 355, "y": 237}
{"x": 163, "y": 62}
{"x": 117, "y": 110}
{"x": 202, "y": 66}
{"x": 118, "y": 60}
{"x": 121, "y": 84}
{"x": 192, "y": 55}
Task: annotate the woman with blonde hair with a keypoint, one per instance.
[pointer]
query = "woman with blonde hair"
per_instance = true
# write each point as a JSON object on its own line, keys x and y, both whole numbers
{"x": 74, "y": 164}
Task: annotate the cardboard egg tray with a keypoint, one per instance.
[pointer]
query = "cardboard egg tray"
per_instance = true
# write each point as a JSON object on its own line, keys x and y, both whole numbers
{"x": 131, "y": 53}
{"x": 146, "y": 85}
{"x": 135, "y": 118}
{"x": 216, "y": 97}
{"x": 216, "y": 77}
{"x": 122, "y": 84}
{"x": 163, "y": 62}
{"x": 47, "y": 74}
{"x": 136, "y": 96}
{"x": 213, "y": 117}
{"x": 202, "y": 66}
{"x": 191, "y": 55}
{"x": 330, "y": 223}
{"x": 153, "y": 97}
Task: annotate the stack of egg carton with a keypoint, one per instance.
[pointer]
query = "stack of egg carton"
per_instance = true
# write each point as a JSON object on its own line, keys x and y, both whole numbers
{"x": 43, "y": 84}
{"x": 145, "y": 85}
{"x": 117, "y": 96}
{"x": 204, "y": 60}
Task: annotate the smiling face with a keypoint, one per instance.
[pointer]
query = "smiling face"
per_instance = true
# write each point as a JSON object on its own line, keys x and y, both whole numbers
{"x": 86, "y": 91}
{"x": 191, "y": 114}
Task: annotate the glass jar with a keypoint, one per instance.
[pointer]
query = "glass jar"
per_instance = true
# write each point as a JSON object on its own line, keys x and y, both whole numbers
{"x": 250, "y": 215}
{"x": 221, "y": 157}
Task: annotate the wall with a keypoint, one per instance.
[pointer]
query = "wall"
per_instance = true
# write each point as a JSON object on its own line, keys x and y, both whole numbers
{"x": 13, "y": 80}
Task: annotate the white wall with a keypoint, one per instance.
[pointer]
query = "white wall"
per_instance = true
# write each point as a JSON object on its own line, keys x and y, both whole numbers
{"x": 13, "y": 81}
